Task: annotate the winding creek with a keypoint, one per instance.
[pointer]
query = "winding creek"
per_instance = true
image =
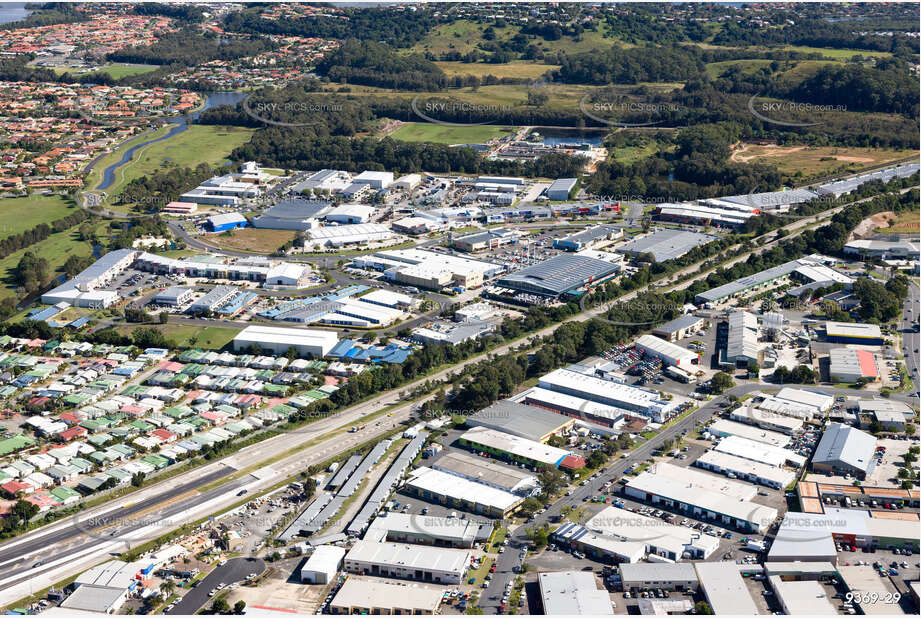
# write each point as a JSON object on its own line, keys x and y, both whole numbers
{"x": 180, "y": 124}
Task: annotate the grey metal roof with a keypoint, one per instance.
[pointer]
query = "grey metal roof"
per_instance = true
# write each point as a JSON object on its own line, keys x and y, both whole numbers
{"x": 592, "y": 233}
{"x": 298, "y": 208}
{"x": 518, "y": 419}
{"x": 746, "y": 283}
{"x": 666, "y": 244}
{"x": 558, "y": 275}
{"x": 96, "y": 269}
{"x": 842, "y": 444}
{"x": 679, "y": 323}
{"x": 849, "y": 184}
{"x": 658, "y": 572}
{"x": 772, "y": 198}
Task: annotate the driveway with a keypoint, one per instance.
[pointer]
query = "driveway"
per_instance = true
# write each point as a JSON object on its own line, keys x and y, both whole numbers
{"x": 235, "y": 570}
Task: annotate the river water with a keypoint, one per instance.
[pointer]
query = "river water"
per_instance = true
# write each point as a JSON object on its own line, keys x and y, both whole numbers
{"x": 180, "y": 124}
{"x": 13, "y": 11}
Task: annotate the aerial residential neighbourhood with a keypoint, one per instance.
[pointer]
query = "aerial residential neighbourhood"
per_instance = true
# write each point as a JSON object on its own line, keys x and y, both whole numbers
{"x": 459, "y": 308}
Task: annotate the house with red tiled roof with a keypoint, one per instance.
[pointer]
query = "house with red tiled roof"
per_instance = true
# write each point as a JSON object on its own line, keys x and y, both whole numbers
{"x": 14, "y": 488}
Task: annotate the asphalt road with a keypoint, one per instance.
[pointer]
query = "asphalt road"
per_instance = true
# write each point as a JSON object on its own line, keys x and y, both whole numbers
{"x": 911, "y": 314}
{"x": 235, "y": 570}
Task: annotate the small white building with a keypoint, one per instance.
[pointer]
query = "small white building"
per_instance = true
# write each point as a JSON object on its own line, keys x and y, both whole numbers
{"x": 322, "y": 566}
{"x": 350, "y": 214}
{"x": 376, "y": 180}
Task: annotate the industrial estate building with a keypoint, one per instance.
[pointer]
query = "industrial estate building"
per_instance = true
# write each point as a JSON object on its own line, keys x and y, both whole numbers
{"x": 725, "y": 589}
{"x": 372, "y": 596}
{"x": 82, "y": 290}
{"x": 702, "y": 495}
{"x": 588, "y": 238}
{"x": 487, "y": 239}
{"x": 669, "y": 353}
{"x": 277, "y": 340}
{"x": 560, "y": 275}
{"x": 850, "y": 365}
{"x": 425, "y": 530}
{"x": 679, "y": 328}
{"x": 664, "y": 576}
{"x": 846, "y": 332}
{"x": 521, "y": 420}
{"x": 665, "y": 244}
{"x": 643, "y": 402}
{"x": 572, "y": 593}
{"x": 462, "y": 493}
{"x": 887, "y": 249}
{"x": 323, "y": 564}
{"x": 491, "y": 474}
{"x": 845, "y": 450}
{"x": 519, "y": 450}
{"x": 560, "y": 189}
{"x": 418, "y": 562}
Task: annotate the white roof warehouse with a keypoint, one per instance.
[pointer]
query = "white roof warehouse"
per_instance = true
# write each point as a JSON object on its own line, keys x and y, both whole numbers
{"x": 419, "y": 562}
{"x": 305, "y": 341}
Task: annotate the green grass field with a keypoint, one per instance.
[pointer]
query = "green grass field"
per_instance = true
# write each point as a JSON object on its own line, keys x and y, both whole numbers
{"x": 209, "y": 337}
{"x": 441, "y": 134}
{"x": 199, "y": 144}
{"x": 18, "y": 214}
{"x": 56, "y": 249}
{"x": 506, "y": 69}
{"x": 115, "y": 71}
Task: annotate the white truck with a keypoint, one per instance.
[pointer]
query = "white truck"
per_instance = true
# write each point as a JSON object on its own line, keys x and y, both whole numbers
{"x": 755, "y": 545}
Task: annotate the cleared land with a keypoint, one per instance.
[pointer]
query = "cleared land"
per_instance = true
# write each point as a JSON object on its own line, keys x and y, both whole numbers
{"x": 199, "y": 144}
{"x": 115, "y": 71}
{"x": 18, "y": 214}
{"x": 815, "y": 161}
{"x": 505, "y": 69}
{"x": 441, "y": 134}
{"x": 905, "y": 223}
{"x": 252, "y": 239}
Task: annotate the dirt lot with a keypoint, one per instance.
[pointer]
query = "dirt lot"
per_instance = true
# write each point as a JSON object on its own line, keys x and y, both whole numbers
{"x": 816, "y": 161}
{"x": 251, "y": 239}
{"x": 281, "y": 590}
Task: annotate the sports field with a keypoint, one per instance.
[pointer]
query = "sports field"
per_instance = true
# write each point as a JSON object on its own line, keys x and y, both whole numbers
{"x": 442, "y": 134}
{"x": 18, "y": 214}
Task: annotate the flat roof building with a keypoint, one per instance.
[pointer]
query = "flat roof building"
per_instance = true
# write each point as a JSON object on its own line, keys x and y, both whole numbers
{"x": 521, "y": 420}
{"x": 759, "y": 451}
{"x": 228, "y": 221}
{"x": 850, "y": 365}
{"x": 341, "y": 235}
{"x": 820, "y": 402}
{"x": 670, "y": 354}
{"x": 350, "y": 213}
{"x": 846, "y": 332}
{"x": 750, "y": 283}
{"x": 679, "y": 328}
{"x": 81, "y": 290}
{"x": 519, "y": 450}
{"x": 278, "y": 340}
{"x": 802, "y": 597}
{"x": 629, "y": 398}
{"x": 377, "y": 180}
{"x": 323, "y": 564}
{"x": 658, "y": 538}
{"x": 438, "y": 565}
{"x": 462, "y": 493}
{"x": 295, "y": 213}
{"x": 665, "y": 244}
{"x": 491, "y": 474}
{"x": 724, "y": 588}
{"x": 174, "y": 296}
{"x": 487, "y": 239}
{"x": 423, "y": 530}
{"x": 573, "y": 593}
{"x": 845, "y": 450}
{"x": 742, "y": 339}
{"x": 722, "y": 428}
{"x": 560, "y": 189}
{"x": 889, "y": 249}
{"x": 661, "y": 575}
{"x": 577, "y": 407}
{"x": 588, "y": 238}
{"x": 367, "y": 596}
{"x": 701, "y": 498}
{"x": 745, "y": 469}
{"x": 768, "y": 420}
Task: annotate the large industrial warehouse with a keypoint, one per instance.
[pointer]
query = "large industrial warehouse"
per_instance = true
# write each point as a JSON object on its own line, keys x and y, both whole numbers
{"x": 665, "y": 244}
{"x": 845, "y": 450}
{"x": 461, "y": 493}
{"x": 629, "y": 398}
{"x": 278, "y": 340}
{"x": 702, "y": 495}
{"x": 428, "y": 564}
{"x": 521, "y": 420}
{"x": 669, "y": 353}
{"x": 519, "y": 450}
{"x": 559, "y": 275}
